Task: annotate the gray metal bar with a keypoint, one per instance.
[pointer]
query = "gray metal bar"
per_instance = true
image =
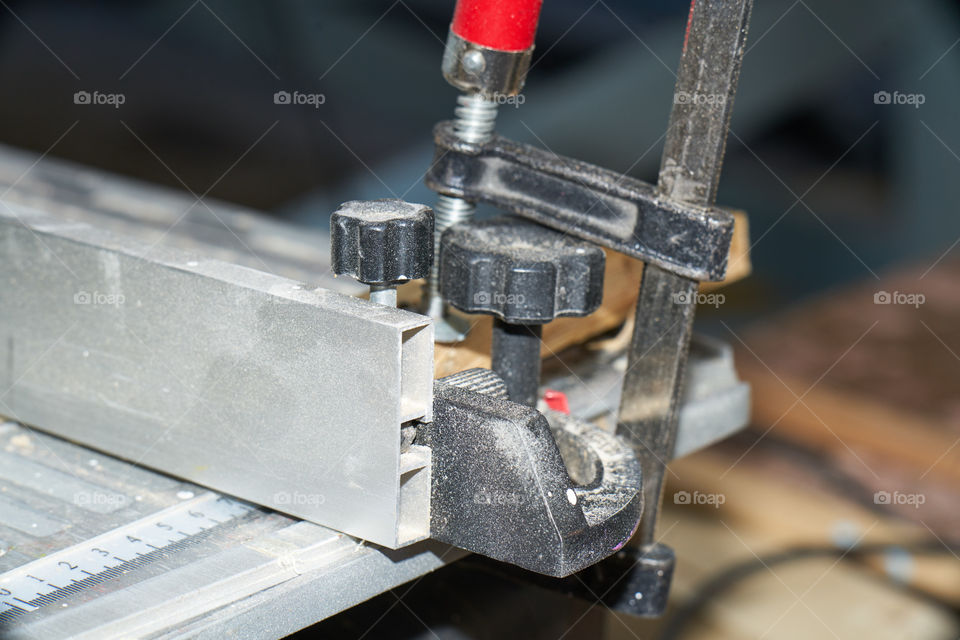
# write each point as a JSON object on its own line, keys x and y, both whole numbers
{"x": 652, "y": 384}
{"x": 159, "y": 215}
{"x": 703, "y": 100}
{"x": 690, "y": 170}
{"x": 232, "y": 378}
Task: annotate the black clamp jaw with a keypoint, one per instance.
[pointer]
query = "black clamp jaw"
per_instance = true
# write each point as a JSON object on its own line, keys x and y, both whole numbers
{"x": 585, "y": 201}
{"x": 554, "y": 497}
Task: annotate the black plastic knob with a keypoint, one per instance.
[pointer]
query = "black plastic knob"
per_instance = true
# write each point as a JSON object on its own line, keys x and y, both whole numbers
{"x": 519, "y": 271}
{"x": 382, "y": 242}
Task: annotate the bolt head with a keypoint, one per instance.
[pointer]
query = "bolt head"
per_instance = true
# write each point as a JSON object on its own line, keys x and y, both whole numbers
{"x": 381, "y": 242}
{"x": 519, "y": 271}
{"x": 474, "y": 62}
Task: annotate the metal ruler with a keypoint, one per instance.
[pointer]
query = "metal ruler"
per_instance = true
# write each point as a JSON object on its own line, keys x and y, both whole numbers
{"x": 95, "y": 547}
{"x": 66, "y": 572}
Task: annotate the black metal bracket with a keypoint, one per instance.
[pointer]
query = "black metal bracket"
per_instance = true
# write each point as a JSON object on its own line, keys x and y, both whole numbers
{"x": 553, "y": 498}
{"x": 585, "y": 201}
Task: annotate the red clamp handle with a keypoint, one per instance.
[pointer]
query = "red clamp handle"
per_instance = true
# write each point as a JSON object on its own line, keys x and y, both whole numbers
{"x": 504, "y": 25}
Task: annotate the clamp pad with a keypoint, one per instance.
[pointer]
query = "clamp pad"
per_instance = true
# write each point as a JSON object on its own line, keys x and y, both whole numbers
{"x": 507, "y": 486}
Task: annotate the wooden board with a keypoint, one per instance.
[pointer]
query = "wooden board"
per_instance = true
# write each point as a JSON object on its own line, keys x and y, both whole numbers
{"x": 773, "y": 502}
{"x": 879, "y": 384}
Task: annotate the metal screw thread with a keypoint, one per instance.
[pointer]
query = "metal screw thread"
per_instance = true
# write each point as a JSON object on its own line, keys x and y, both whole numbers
{"x": 475, "y": 118}
{"x": 474, "y": 122}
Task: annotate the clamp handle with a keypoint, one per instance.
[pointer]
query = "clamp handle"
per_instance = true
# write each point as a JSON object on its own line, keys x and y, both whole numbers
{"x": 382, "y": 242}
{"x": 519, "y": 271}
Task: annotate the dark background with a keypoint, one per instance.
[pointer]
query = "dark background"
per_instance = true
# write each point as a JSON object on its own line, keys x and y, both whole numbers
{"x": 838, "y": 188}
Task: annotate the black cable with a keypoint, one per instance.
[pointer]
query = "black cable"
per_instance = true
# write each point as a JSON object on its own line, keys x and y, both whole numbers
{"x": 677, "y": 621}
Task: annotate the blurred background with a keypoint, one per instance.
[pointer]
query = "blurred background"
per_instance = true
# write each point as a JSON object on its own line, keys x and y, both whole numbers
{"x": 844, "y": 151}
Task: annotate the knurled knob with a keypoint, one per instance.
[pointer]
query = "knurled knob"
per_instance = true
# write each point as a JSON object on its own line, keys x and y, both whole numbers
{"x": 519, "y": 271}
{"x": 382, "y": 242}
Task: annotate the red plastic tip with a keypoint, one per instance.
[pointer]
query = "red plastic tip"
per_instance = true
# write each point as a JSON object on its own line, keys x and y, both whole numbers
{"x": 504, "y": 25}
{"x": 557, "y": 400}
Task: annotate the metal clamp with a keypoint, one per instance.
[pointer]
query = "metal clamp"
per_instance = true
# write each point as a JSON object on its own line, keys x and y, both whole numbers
{"x": 585, "y": 201}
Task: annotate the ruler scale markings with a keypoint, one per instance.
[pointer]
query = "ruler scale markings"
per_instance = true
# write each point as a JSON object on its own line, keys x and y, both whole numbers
{"x": 99, "y": 558}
